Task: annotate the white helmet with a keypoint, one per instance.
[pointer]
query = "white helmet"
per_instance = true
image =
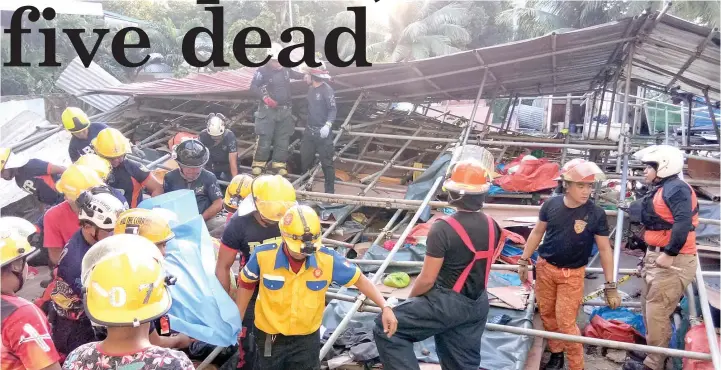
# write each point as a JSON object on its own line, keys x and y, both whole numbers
{"x": 100, "y": 207}
{"x": 216, "y": 124}
{"x": 667, "y": 159}
{"x": 274, "y": 51}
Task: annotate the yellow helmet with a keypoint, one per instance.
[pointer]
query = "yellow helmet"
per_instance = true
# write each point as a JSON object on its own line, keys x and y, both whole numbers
{"x": 272, "y": 196}
{"x": 75, "y": 120}
{"x": 124, "y": 282}
{"x": 12, "y": 247}
{"x": 300, "y": 230}
{"x": 151, "y": 224}
{"x": 237, "y": 190}
{"x": 110, "y": 143}
{"x": 96, "y": 163}
{"x": 77, "y": 179}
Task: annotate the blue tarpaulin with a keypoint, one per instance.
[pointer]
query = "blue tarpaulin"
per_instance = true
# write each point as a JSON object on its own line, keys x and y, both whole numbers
{"x": 201, "y": 308}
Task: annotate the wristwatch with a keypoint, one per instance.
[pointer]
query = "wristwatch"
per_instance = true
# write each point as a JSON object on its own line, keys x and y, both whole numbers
{"x": 388, "y": 305}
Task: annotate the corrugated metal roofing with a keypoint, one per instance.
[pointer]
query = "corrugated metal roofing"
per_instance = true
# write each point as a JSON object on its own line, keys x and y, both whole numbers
{"x": 669, "y": 47}
{"x": 75, "y": 79}
{"x": 526, "y": 67}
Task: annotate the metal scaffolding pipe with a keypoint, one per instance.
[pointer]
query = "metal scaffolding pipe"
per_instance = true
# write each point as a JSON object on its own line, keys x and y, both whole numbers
{"x": 624, "y": 117}
{"x": 707, "y": 318}
{"x": 712, "y": 115}
{"x": 379, "y": 274}
{"x": 584, "y": 340}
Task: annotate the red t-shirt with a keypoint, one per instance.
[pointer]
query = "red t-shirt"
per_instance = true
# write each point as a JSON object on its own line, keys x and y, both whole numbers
{"x": 26, "y": 342}
{"x": 59, "y": 225}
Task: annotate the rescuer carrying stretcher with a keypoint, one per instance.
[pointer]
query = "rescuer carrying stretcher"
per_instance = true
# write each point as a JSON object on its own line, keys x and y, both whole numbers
{"x": 669, "y": 214}
{"x": 449, "y": 300}
{"x": 571, "y": 223}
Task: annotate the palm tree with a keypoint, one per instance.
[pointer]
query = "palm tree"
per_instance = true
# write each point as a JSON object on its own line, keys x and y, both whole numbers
{"x": 414, "y": 30}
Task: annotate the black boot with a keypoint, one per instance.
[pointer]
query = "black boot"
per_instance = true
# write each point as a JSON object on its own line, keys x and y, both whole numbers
{"x": 555, "y": 362}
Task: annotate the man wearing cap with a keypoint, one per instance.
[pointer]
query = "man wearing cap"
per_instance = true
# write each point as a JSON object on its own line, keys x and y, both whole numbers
{"x": 571, "y": 224}
{"x": 223, "y": 147}
{"x": 77, "y": 123}
{"x": 191, "y": 156}
{"x": 26, "y": 342}
{"x": 321, "y": 114}
{"x": 292, "y": 278}
{"x": 449, "y": 300}
{"x": 273, "y": 119}
{"x": 255, "y": 223}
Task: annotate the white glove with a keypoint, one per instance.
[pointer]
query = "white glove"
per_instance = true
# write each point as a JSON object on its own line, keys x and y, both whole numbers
{"x": 325, "y": 130}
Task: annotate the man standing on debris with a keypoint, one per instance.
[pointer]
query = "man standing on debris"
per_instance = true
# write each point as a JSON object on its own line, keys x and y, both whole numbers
{"x": 26, "y": 342}
{"x": 192, "y": 156}
{"x": 295, "y": 276}
{"x": 669, "y": 213}
{"x": 255, "y": 223}
{"x": 128, "y": 177}
{"x": 223, "y": 147}
{"x": 273, "y": 119}
{"x": 321, "y": 114}
{"x": 77, "y": 123}
{"x": 98, "y": 211}
{"x": 571, "y": 223}
{"x": 449, "y": 300}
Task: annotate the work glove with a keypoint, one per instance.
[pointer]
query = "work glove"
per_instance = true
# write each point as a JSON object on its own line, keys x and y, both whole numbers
{"x": 613, "y": 300}
{"x": 325, "y": 130}
{"x": 523, "y": 270}
{"x": 269, "y": 101}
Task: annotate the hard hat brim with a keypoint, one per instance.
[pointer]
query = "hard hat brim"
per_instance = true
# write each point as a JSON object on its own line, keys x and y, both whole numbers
{"x": 451, "y": 185}
{"x": 145, "y": 314}
{"x": 29, "y": 253}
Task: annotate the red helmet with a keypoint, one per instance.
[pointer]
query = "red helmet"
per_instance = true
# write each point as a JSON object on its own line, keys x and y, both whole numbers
{"x": 468, "y": 177}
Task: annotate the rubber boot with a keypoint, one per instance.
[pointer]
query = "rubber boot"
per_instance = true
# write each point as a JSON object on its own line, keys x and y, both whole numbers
{"x": 280, "y": 168}
{"x": 257, "y": 168}
{"x": 555, "y": 362}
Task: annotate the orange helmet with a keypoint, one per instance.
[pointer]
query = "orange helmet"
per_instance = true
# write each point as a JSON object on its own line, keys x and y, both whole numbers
{"x": 568, "y": 165}
{"x": 585, "y": 171}
{"x": 468, "y": 177}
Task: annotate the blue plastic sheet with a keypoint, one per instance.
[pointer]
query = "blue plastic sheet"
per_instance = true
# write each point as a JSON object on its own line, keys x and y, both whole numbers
{"x": 201, "y": 308}
{"x": 419, "y": 188}
{"x": 621, "y": 314}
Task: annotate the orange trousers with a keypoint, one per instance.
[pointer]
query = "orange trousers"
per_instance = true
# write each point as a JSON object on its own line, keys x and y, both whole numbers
{"x": 559, "y": 293}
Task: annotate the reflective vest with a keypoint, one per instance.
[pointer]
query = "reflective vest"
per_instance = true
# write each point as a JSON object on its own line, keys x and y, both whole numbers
{"x": 658, "y": 220}
{"x": 486, "y": 256}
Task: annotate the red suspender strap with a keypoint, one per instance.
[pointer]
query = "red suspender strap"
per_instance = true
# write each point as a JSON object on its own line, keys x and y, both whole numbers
{"x": 478, "y": 255}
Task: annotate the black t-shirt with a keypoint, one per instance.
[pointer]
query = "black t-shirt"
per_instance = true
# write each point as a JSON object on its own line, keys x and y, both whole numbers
{"x": 444, "y": 242}
{"x": 569, "y": 238}
{"x": 244, "y": 233}
{"x": 205, "y": 187}
{"x": 219, "y": 152}
{"x": 35, "y": 178}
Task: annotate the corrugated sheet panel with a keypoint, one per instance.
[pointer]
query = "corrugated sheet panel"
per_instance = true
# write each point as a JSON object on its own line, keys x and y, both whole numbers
{"x": 529, "y": 117}
{"x": 525, "y": 67}
{"x": 671, "y": 44}
{"x": 76, "y": 79}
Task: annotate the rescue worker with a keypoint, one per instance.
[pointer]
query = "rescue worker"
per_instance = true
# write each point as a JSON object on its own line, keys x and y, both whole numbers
{"x": 669, "y": 213}
{"x": 152, "y": 224}
{"x": 449, "y": 300}
{"x": 273, "y": 119}
{"x": 98, "y": 211}
{"x": 103, "y": 168}
{"x": 128, "y": 177}
{"x": 35, "y": 176}
{"x": 26, "y": 342}
{"x": 571, "y": 223}
{"x": 255, "y": 223}
{"x": 321, "y": 114}
{"x": 296, "y": 274}
{"x": 558, "y": 191}
{"x": 77, "y": 123}
{"x": 127, "y": 266}
{"x": 237, "y": 190}
{"x": 191, "y": 156}
{"x": 223, "y": 147}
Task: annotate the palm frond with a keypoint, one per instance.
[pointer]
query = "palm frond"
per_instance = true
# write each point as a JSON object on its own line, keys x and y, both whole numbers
{"x": 453, "y": 14}
{"x": 401, "y": 52}
{"x": 414, "y": 31}
{"x": 458, "y": 35}
{"x": 419, "y": 51}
